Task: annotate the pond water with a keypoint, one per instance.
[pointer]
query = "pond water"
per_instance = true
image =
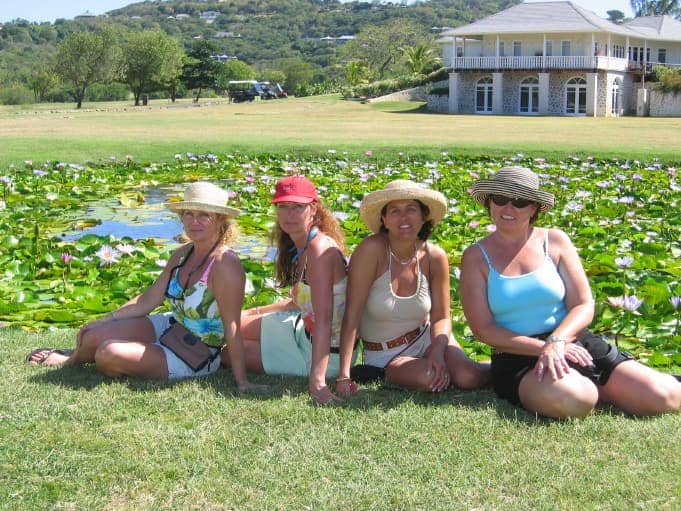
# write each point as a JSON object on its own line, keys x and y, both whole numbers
{"x": 153, "y": 220}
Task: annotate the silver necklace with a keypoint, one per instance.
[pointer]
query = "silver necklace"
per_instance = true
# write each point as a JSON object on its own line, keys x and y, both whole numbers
{"x": 405, "y": 262}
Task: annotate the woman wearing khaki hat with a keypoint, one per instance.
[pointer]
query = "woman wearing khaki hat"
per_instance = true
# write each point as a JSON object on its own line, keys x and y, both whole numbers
{"x": 525, "y": 293}
{"x": 398, "y": 297}
{"x": 204, "y": 282}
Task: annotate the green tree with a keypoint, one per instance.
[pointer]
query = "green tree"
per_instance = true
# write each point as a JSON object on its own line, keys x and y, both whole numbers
{"x": 148, "y": 61}
{"x": 201, "y": 70}
{"x": 235, "y": 70}
{"x": 42, "y": 81}
{"x": 381, "y": 46}
{"x": 85, "y": 58}
{"x": 357, "y": 72}
{"x": 615, "y": 16}
{"x": 298, "y": 73}
{"x": 656, "y": 8}
{"x": 420, "y": 59}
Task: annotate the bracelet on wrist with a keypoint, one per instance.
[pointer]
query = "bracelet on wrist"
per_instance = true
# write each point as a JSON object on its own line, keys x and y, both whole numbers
{"x": 553, "y": 339}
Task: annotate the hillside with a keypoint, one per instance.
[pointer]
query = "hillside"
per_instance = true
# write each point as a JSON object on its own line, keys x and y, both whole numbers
{"x": 258, "y": 32}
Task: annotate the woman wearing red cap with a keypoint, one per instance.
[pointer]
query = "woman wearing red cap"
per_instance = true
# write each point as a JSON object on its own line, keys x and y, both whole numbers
{"x": 300, "y": 335}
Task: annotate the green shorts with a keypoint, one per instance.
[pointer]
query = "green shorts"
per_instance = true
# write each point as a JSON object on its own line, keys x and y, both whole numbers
{"x": 286, "y": 349}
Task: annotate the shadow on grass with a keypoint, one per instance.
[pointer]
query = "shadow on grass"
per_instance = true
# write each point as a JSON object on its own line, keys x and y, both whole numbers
{"x": 400, "y": 108}
{"x": 370, "y": 397}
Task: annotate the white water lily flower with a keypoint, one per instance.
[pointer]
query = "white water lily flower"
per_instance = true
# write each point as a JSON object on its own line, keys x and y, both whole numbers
{"x": 107, "y": 255}
{"x": 126, "y": 248}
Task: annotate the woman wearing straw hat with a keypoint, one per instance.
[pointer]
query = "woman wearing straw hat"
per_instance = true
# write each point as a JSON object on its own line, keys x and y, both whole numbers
{"x": 525, "y": 293}
{"x": 299, "y": 336}
{"x": 204, "y": 282}
{"x": 398, "y": 297}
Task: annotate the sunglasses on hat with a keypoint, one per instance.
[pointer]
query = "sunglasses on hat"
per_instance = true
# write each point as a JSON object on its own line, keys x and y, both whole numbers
{"x": 502, "y": 200}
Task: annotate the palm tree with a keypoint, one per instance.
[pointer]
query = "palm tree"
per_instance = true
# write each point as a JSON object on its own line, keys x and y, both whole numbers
{"x": 656, "y": 8}
{"x": 420, "y": 58}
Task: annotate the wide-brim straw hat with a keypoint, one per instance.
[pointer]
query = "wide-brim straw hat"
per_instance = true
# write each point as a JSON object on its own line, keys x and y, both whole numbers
{"x": 516, "y": 183}
{"x": 204, "y": 196}
{"x": 401, "y": 189}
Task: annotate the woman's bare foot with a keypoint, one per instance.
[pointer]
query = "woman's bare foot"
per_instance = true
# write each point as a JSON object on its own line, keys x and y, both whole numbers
{"x": 49, "y": 356}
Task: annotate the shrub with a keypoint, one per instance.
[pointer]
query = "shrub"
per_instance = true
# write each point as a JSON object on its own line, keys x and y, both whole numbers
{"x": 113, "y": 91}
{"x": 316, "y": 89}
{"x": 16, "y": 95}
{"x": 669, "y": 80}
{"x": 382, "y": 87}
{"x": 439, "y": 91}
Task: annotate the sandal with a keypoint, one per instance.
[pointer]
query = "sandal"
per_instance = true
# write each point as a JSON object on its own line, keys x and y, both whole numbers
{"x": 40, "y": 355}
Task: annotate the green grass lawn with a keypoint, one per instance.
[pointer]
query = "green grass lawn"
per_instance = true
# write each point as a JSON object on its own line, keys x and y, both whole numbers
{"x": 314, "y": 124}
{"x": 73, "y": 439}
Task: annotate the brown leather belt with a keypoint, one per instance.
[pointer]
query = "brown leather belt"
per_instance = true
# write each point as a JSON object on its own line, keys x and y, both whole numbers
{"x": 394, "y": 343}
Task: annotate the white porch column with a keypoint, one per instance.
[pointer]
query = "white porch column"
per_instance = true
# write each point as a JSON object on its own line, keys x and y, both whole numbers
{"x": 592, "y": 94}
{"x": 498, "y": 94}
{"x": 543, "y": 93}
{"x": 453, "y": 106}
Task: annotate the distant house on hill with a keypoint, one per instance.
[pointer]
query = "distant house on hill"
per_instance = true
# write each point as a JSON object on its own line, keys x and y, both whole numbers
{"x": 556, "y": 58}
{"x": 85, "y": 15}
{"x": 209, "y": 15}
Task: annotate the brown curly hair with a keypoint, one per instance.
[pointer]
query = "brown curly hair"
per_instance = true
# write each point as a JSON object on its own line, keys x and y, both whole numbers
{"x": 284, "y": 265}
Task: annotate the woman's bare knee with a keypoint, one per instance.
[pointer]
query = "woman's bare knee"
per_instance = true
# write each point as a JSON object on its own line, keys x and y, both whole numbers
{"x": 108, "y": 360}
{"x": 572, "y": 396}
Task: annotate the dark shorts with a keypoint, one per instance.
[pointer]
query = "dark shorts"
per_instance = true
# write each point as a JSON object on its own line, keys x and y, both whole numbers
{"x": 509, "y": 369}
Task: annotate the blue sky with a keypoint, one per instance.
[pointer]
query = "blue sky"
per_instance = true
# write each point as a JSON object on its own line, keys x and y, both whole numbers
{"x": 50, "y": 10}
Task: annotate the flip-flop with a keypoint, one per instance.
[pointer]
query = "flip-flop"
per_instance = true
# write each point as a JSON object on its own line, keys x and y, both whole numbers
{"x": 42, "y": 354}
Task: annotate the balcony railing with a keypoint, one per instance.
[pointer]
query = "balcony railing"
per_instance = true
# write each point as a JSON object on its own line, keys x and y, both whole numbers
{"x": 571, "y": 62}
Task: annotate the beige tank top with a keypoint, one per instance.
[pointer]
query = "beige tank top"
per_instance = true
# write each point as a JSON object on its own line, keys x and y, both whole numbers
{"x": 386, "y": 315}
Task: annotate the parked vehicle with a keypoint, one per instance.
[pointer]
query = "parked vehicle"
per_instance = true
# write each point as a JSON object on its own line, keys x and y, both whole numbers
{"x": 249, "y": 90}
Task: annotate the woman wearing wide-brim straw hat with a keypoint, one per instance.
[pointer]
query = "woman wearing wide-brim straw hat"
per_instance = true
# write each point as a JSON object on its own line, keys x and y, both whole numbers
{"x": 398, "y": 298}
{"x": 204, "y": 282}
{"x": 524, "y": 292}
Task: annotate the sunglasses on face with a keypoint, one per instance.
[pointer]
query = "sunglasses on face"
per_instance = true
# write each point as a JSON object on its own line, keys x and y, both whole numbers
{"x": 502, "y": 200}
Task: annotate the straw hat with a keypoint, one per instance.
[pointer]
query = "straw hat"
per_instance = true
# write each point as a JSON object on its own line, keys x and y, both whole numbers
{"x": 203, "y": 196}
{"x": 516, "y": 183}
{"x": 401, "y": 189}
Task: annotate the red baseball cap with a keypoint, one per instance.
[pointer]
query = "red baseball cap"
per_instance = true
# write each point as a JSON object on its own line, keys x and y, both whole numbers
{"x": 295, "y": 189}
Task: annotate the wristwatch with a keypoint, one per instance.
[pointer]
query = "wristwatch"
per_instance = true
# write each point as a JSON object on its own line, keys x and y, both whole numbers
{"x": 552, "y": 338}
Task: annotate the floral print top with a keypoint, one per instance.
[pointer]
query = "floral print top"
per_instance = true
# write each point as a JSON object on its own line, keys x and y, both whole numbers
{"x": 197, "y": 309}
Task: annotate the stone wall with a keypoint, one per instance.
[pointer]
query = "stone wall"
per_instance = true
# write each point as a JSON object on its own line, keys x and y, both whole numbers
{"x": 413, "y": 94}
{"x": 439, "y": 104}
{"x": 665, "y": 104}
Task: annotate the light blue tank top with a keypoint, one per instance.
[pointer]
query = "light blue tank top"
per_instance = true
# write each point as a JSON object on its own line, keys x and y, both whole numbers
{"x": 528, "y": 304}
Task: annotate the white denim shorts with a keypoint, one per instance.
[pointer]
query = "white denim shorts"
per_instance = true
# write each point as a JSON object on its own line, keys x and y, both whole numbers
{"x": 416, "y": 349}
{"x": 177, "y": 369}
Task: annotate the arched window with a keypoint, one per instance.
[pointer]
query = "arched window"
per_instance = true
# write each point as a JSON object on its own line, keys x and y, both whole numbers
{"x": 575, "y": 96}
{"x": 529, "y": 95}
{"x": 616, "y": 98}
{"x": 483, "y": 95}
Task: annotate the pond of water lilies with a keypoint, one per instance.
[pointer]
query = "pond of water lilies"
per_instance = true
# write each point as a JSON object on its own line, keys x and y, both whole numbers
{"x": 78, "y": 240}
